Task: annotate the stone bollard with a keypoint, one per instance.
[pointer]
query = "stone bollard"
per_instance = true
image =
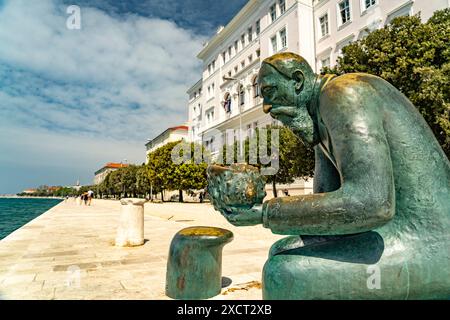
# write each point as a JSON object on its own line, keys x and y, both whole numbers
{"x": 131, "y": 223}
{"x": 194, "y": 267}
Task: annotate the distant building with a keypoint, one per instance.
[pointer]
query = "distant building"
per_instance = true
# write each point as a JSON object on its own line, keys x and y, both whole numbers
{"x": 101, "y": 174}
{"x": 77, "y": 186}
{"x": 170, "y": 135}
{"x": 29, "y": 191}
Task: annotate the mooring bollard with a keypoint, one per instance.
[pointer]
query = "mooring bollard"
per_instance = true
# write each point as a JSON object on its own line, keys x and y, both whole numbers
{"x": 194, "y": 267}
{"x": 131, "y": 223}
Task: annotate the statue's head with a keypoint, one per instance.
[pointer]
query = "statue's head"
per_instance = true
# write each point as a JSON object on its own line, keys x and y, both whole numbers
{"x": 287, "y": 82}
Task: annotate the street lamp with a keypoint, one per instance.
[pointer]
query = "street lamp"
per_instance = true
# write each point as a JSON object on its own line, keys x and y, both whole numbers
{"x": 241, "y": 151}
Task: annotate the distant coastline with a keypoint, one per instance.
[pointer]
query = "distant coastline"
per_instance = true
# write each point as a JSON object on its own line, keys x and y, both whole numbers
{"x": 11, "y": 196}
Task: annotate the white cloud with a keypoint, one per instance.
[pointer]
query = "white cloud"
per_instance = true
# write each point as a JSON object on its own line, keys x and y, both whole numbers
{"x": 117, "y": 79}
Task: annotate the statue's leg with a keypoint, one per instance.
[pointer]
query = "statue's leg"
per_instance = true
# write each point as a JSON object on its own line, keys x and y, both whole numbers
{"x": 349, "y": 267}
{"x": 362, "y": 266}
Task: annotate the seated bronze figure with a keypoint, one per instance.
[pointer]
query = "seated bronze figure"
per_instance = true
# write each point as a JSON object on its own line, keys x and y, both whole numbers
{"x": 381, "y": 201}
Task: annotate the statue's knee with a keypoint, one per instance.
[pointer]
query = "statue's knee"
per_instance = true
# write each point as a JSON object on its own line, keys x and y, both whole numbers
{"x": 281, "y": 276}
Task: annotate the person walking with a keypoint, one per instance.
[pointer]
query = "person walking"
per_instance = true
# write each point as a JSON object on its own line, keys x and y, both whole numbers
{"x": 90, "y": 195}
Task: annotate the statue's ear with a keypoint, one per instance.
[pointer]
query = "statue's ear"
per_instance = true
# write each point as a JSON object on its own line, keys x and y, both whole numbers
{"x": 299, "y": 79}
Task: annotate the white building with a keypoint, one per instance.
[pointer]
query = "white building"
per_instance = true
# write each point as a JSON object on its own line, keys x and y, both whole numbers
{"x": 339, "y": 22}
{"x": 100, "y": 175}
{"x": 227, "y": 99}
{"x": 170, "y": 135}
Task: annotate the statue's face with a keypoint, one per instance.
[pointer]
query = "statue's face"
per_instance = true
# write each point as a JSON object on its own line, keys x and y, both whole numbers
{"x": 287, "y": 101}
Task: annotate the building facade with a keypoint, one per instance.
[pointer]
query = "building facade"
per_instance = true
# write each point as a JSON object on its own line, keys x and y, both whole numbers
{"x": 101, "y": 174}
{"x": 227, "y": 99}
{"x": 225, "y": 105}
{"x": 339, "y": 22}
{"x": 170, "y": 135}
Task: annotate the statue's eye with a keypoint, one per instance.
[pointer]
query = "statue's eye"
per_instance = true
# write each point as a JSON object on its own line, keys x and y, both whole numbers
{"x": 268, "y": 90}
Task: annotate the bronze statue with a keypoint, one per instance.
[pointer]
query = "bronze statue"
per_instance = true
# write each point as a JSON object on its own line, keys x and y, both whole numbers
{"x": 381, "y": 202}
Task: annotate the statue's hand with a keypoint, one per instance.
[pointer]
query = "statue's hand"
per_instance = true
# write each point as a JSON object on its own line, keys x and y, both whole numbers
{"x": 244, "y": 217}
{"x": 237, "y": 193}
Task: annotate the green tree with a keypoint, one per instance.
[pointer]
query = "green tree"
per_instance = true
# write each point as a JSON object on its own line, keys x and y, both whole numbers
{"x": 143, "y": 183}
{"x": 191, "y": 174}
{"x": 415, "y": 58}
{"x": 161, "y": 168}
{"x": 164, "y": 174}
{"x": 114, "y": 183}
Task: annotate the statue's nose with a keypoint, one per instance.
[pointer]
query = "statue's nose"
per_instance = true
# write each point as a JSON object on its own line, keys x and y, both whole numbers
{"x": 267, "y": 108}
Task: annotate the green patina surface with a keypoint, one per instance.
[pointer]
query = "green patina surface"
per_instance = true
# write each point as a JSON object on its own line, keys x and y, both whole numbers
{"x": 194, "y": 269}
{"x": 381, "y": 202}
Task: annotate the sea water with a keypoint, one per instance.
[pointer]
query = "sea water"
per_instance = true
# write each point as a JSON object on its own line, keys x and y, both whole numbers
{"x": 16, "y": 212}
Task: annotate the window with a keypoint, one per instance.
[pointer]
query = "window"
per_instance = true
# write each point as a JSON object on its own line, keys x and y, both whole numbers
{"x": 236, "y": 47}
{"x": 210, "y": 116}
{"x": 242, "y": 64}
{"x": 283, "y": 38}
{"x": 324, "y": 25}
{"x": 235, "y": 69}
{"x": 213, "y": 65}
{"x": 274, "y": 44}
{"x": 250, "y": 58}
{"x": 224, "y": 57}
{"x": 243, "y": 41}
{"x": 405, "y": 10}
{"x": 250, "y": 34}
{"x": 241, "y": 95}
{"x": 255, "y": 85}
{"x": 229, "y": 52}
{"x": 273, "y": 13}
{"x": 344, "y": 11}
{"x": 282, "y": 6}
{"x": 211, "y": 91}
{"x": 369, "y": 3}
{"x": 229, "y": 74}
{"x": 227, "y": 103}
{"x": 258, "y": 53}
{"x": 236, "y": 135}
{"x": 249, "y": 130}
{"x": 258, "y": 27}
{"x": 325, "y": 62}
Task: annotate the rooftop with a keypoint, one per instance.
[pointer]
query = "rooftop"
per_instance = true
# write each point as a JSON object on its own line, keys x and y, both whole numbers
{"x": 183, "y": 128}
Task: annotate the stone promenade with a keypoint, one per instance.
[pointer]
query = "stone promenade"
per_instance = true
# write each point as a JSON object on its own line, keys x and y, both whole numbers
{"x": 68, "y": 253}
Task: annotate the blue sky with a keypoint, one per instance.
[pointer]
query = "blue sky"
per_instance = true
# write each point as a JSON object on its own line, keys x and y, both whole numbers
{"x": 72, "y": 100}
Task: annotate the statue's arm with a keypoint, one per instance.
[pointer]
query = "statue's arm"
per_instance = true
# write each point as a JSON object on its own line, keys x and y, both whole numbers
{"x": 366, "y": 198}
